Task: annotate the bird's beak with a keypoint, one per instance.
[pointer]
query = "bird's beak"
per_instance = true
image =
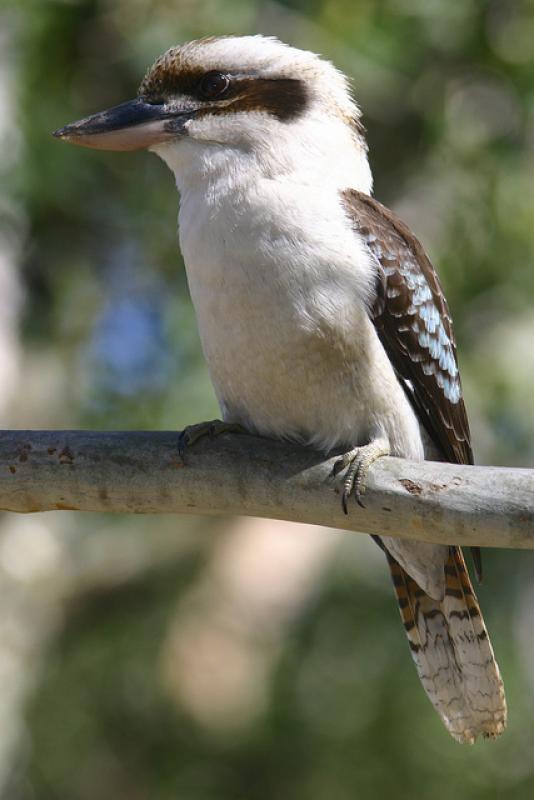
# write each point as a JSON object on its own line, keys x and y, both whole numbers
{"x": 133, "y": 125}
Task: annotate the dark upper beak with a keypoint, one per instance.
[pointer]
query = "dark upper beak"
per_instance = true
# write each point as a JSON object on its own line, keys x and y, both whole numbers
{"x": 133, "y": 125}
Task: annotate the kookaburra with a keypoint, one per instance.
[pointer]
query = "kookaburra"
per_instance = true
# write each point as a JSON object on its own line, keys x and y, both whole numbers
{"x": 321, "y": 317}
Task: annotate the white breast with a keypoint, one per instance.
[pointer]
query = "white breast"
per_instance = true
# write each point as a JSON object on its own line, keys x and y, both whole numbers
{"x": 280, "y": 285}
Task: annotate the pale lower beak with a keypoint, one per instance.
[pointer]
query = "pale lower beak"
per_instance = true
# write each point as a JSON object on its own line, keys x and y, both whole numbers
{"x": 133, "y": 125}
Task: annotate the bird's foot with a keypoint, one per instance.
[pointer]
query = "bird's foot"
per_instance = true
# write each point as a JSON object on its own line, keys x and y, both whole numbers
{"x": 192, "y": 433}
{"x": 357, "y": 462}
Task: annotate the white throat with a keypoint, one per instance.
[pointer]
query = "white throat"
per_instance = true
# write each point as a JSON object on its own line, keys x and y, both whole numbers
{"x": 315, "y": 150}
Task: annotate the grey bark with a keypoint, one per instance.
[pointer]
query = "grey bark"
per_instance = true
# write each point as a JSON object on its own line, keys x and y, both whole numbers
{"x": 142, "y": 472}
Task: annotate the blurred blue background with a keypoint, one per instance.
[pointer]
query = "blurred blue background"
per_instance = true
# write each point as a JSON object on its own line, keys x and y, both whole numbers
{"x": 162, "y": 658}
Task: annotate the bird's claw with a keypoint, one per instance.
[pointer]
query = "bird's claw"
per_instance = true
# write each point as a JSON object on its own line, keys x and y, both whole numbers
{"x": 192, "y": 433}
{"x": 357, "y": 462}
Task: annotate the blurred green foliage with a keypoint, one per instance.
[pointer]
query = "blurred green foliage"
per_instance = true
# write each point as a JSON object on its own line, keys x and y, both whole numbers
{"x": 447, "y": 89}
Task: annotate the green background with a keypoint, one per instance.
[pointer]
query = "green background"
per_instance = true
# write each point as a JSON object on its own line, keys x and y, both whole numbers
{"x": 313, "y": 694}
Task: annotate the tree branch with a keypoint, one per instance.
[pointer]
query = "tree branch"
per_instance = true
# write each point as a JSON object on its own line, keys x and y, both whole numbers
{"x": 141, "y": 472}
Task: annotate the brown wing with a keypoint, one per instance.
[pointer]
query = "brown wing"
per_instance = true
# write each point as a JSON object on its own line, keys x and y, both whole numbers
{"x": 413, "y": 322}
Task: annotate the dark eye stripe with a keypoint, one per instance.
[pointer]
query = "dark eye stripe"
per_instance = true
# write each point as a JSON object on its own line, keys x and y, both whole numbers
{"x": 283, "y": 98}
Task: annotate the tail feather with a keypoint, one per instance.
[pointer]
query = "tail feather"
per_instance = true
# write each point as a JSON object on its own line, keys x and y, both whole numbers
{"x": 452, "y": 651}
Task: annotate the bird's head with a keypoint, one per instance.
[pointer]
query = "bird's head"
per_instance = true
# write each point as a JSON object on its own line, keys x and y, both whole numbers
{"x": 243, "y": 97}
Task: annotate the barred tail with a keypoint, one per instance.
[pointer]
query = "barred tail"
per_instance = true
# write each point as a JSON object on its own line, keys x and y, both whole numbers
{"x": 452, "y": 652}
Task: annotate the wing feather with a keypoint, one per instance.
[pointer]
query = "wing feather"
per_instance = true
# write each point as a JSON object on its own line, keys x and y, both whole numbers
{"x": 414, "y": 324}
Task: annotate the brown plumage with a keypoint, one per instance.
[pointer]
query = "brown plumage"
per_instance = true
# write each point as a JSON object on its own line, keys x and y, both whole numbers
{"x": 448, "y": 640}
{"x": 403, "y": 267}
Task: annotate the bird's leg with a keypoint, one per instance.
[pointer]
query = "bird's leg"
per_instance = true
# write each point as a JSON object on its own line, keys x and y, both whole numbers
{"x": 358, "y": 462}
{"x": 192, "y": 433}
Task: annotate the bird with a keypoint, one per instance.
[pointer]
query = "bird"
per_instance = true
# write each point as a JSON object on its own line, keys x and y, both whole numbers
{"x": 321, "y": 318}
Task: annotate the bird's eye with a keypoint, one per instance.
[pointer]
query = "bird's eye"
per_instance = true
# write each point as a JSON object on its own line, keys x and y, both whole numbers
{"x": 213, "y": 85}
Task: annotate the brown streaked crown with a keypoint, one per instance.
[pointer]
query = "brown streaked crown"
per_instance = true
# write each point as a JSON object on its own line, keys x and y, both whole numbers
{"x": 171, "y": 75}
